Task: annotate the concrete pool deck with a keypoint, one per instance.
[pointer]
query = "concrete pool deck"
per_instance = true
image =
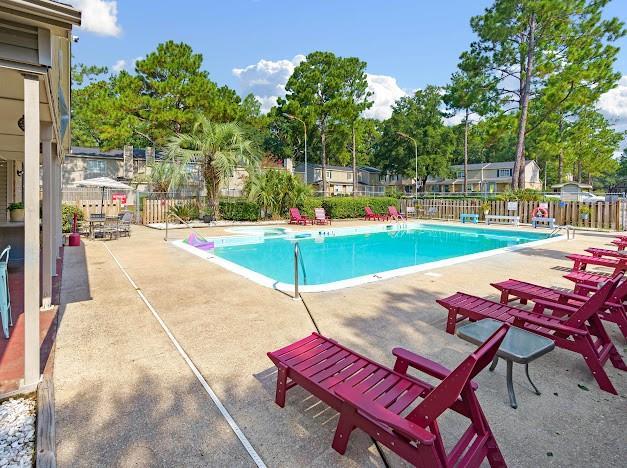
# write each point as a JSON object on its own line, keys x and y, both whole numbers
{"x": 125, "y": 397}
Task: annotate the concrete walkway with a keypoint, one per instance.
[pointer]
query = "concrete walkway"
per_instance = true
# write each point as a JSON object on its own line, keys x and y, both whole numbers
{"x": 125, "y": 397}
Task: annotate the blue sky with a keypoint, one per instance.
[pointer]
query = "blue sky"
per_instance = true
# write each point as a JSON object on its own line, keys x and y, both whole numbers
{"x": 252, "y": 45}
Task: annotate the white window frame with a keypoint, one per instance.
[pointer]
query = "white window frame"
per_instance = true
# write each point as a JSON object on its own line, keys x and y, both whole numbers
{"x": 508, "y": 172}
{"x": 100, "y": 171}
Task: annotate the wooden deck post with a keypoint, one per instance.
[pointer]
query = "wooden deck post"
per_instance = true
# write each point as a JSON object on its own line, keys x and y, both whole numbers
{"x": 31, "y": 230}
{"x": 49, "y": 256}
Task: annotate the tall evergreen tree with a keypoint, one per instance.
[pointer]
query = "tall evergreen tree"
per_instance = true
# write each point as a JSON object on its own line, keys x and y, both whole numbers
{"x": 558, "y": 49}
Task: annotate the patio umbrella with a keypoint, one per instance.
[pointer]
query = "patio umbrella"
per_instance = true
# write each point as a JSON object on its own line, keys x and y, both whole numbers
{"x": 104, "y": 183}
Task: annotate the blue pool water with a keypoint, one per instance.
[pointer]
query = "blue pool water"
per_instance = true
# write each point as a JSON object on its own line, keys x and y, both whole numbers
{"x": 340, "y": 257}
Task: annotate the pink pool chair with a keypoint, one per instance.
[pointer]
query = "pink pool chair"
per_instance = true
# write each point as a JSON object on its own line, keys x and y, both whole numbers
{"x": 394, "y": 214}
{"x": 321, "y": 216}
{"x": 297, "y": 218}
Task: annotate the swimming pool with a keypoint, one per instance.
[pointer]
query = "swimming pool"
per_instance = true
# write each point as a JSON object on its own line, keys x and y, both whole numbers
{"x": 336, "y": 258}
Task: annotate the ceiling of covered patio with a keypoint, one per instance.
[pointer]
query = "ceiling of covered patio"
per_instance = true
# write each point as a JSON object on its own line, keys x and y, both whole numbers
{"x": 12, "y": 109}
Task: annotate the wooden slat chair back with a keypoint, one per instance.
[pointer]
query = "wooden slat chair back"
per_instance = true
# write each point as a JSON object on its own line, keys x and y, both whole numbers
{"x": 448, "y": 391}
{"x": 594, "y": 304}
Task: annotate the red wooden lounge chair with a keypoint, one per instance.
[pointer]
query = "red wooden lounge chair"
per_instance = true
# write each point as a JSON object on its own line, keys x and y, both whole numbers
{"x": 297, "y": 218}
{"x": 614, "y": 310}
{"x": 582, "y": 261}
{"x": 394, "y": 214}
{"x": 577, "y": 329}
{"x": 373, "y": 398}
{"x": 586, "y": 278}
{"x": 371, "y": 215}
{"x": 596, "y": 252}
{"x": 620, "y": 243}
{"x": 321, "y": 216}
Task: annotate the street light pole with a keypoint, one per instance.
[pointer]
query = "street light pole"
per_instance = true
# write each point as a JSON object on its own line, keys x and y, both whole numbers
{"x": 404, "y": 135}
{"x": 293, "y": 117}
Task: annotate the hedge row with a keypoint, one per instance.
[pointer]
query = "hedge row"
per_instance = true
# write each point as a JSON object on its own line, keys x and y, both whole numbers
{"x": 239, "y": 210}
{"x": 347, "y": 207}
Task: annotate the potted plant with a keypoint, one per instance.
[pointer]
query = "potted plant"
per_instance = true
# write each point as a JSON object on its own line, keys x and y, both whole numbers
{"x": 584, "y": 213}
{"x": 16, "y": 212}
{"x": 485, "y": 207}
{"x": 207, "y": 215}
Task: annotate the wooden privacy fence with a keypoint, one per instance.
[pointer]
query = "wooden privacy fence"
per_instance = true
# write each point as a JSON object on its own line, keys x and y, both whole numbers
{"x": 110, "y": 208}
{"x": 155, "y": 210}
{"x": 603, "y": 215}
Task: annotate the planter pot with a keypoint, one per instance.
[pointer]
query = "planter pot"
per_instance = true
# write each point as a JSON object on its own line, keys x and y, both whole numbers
{"x": 207, "y": 219}
{"x": 17, "y": 215}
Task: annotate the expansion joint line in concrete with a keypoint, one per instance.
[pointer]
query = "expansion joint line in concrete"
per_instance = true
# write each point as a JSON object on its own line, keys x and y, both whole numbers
{"x": 229, "y": 419}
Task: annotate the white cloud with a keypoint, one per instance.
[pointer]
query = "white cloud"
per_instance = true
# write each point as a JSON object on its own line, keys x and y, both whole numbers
{"x": 385, "y": 92}
{"x": 266, "y": 79}
{"x": 119, "y": 66}
{"x": 99, "y": 16}
{"x": 613, "y": 105}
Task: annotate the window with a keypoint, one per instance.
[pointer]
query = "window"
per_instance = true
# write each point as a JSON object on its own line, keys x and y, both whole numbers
{"x": 318, "y": 173}
{"x": 350, "y": 176}
{"x": 469, "y": 188}
{"x": 328, "y": 174}
{"x": 460, "y": 174}
{"x": 504, "y": 173}
{"x": 96, "y": 168}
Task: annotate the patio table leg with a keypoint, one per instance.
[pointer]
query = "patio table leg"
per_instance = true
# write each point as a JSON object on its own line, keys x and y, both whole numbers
{"x": 529, "y": 379}
{"x": 510, "y": 385}
{"x": 495, "y": 361}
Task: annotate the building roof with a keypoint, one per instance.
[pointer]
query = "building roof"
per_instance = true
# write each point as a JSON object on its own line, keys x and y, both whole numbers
{"x": 578, "y": 184}
{"x": 301, "y": 168}
{"x": 491, "y": 165}
{"x": 83, "y": 152}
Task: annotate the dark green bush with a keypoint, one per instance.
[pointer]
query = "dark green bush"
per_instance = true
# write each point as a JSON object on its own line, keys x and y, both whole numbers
{"x": 67, "y": 216}
{"x": 347, "y": 207}
{"x": 186, "y": 211}
{"x": 239, "y": 210}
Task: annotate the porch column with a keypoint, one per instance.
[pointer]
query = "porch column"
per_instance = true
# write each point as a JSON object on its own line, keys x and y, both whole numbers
{"x": 57, "y": 182}
{"x": 31, "y": 230}
{"x": 48, "y": 242}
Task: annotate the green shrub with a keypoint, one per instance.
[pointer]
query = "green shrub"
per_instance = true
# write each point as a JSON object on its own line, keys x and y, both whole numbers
{"x": 347, "y": 207}
{"x": 186, "y": 211}
{"x": 522, "y": 195}
{"x": 239, "y": 210}
{"x": 67, "y": 216}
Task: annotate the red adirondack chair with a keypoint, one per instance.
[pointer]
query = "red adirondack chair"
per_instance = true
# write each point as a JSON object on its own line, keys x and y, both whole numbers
{"x": 373, "y": 397}
{"x": 596, "y": 252}
{"x": 582, "y": 261}
{"x": 321, "y": 216}
{"x": 394, "y": 214}
{"x": 297, "y": 218}
{"x": 614, "y": 311}
{"x": 577, "y": 329}
{"x": 371, "y": 215}
{"x": 586, "y": 278}
{"x": 620, "y": 243}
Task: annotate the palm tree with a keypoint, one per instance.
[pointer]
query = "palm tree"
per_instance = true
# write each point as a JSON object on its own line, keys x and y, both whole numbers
{"x": 166, "y": 176}
{"x": 219, "y": 148}
{"x": 276, "y": 191}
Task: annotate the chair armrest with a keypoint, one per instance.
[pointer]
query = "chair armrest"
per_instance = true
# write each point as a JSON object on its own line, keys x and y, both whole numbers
{"x": 541, "y": 304}
{"x": 379, "y": 413}
{"x": 535, "y": 319}
{"x": 573, "y": 297}
{"x": 421, "y": 363}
